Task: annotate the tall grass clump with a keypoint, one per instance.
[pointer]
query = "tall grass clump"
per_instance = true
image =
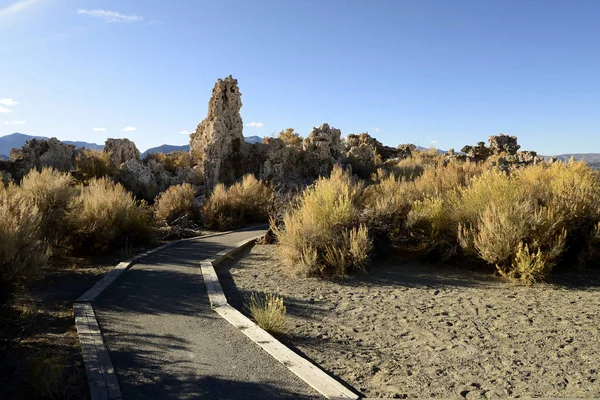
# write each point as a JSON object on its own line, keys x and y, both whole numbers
{"x": 244, "y": 202}
{"x": 51, "y": 192}
{"x": 22, "y": 247}
{"x": 322, "y": 234}
{"x": 104, "y": 214}
{"x": 268, "y": 311}
{"x": 177, "y": 201}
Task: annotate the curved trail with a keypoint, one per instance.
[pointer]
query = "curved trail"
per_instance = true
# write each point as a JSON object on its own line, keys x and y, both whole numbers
{"x": 166, "y": 342}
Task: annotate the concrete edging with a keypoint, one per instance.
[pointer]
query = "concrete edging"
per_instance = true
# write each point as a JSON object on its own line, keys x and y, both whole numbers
{"x": 99, "y": 370}
{"x": 301, "y": 367}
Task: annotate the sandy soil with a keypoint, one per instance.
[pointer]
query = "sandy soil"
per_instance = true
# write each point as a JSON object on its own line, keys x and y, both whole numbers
{"x": 419, "y": 331}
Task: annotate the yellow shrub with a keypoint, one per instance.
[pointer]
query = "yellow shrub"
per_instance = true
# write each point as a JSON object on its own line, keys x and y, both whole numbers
{"x": 172, "y": 161}
{"x": 290, "y": 137}
{"x": 321, "y": 235}
{"x": 93, "y": 164}
{"x": 22, "y": 248}
{"x": 51, "y": 192}
{"x": 104, "y": 213}
{"x": 244, "y": 202}
{"x": 268, "y": 311}
{"x": 175, "y": 202}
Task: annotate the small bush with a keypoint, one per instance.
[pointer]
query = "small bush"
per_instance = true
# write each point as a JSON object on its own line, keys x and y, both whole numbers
{"x": 291, "y": 138}
{"x": 93, "y": 164}
{"x": 244, "y": 202}
{"x": 104, "y": 213}
{"x": 51, "y": 192}
{"x": 22, "y": 248}
{"x": 174, "y": 203}
{"x": 268, "y": 311}
{"x": 322, "y": 234}
{"x": 172, "y": 161}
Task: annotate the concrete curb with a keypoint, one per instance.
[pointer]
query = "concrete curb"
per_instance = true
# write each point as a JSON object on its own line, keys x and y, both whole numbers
{"x": 99, "y": 369}
{"x": 304, "y": 369}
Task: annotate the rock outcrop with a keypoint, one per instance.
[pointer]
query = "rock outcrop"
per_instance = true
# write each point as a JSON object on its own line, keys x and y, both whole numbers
{"x": 218, "y": 144}
{"x": 40, "y": 153}
{"x": 502, "y": 152}
{"x": 120, "y": 151}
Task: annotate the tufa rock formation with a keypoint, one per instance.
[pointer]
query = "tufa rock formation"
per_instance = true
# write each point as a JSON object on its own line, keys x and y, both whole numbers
{"x": 120, "y": 151}
{"x": 217, "y": 145}
{"x": 37, "y": 154}
{"x": 502, "y": 151}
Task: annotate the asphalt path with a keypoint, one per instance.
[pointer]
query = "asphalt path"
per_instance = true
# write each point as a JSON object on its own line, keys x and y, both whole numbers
{"x": 166, "y": 342}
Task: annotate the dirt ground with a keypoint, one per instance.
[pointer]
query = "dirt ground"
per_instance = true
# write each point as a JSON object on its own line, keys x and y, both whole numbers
{"x": 406, "y": 330}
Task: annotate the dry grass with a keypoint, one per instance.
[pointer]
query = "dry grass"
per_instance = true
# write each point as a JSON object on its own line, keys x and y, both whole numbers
{"x": 23, "y": 250}
{"x": 244, "y": 202}
{"x": 93, "y": 164}
{"x": 172, "y": 161}
{"x": 268, "y": 311}
{"x": 51, "y": 192}
{"x": 534, "y": 214}
{"x": 291, "y": 138}
{"x": 322, "y": 234}
{"x": 104, "y": 213}
{"x": 174, "y": 203}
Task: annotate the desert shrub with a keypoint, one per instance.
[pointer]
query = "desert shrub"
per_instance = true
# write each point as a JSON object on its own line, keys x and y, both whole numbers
{"x": 572, "y": 189}
{"x": 268, "y": 311}
{"x": 22, "y": 248}
{"x": 322, "y": 235}
{"x": 244, "y": 202}
{"x": 172, "y": 161}
{"x": 412, "y": 167}
{"x": 104, "y": 213}
{"x": 412, "y": 212}
{"x": 518, "y": 222}
{"x": 175, "y": 202}
{"x": 93, "y": 164}
{"x": 51, "y": 192}
{"x": 289, "y": 137}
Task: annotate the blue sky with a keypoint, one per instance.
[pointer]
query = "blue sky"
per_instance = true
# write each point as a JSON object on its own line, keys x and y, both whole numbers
{"x": 446, "y": 72}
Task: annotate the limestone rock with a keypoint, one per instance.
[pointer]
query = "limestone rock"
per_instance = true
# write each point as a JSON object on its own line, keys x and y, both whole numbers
{"x": 503, "y": 144}
{"x": 138, "y": 179}
{"x": 40, "y": 153}
{"x": 325, "y": 141}
{"x": 120, "y": 151}
{"x": 477, "y": 153}
{"x": 406, "y": 150}
{"x": 218, "y": 143}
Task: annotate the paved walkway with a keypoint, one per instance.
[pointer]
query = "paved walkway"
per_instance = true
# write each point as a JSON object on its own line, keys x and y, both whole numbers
{"x": 166, "y": 342}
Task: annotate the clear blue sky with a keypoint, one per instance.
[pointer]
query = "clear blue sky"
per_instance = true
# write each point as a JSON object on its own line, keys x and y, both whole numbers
{"x": 447, "y": 72}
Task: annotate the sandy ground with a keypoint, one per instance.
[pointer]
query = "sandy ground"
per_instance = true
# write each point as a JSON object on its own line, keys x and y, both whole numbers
{"x": 420, "y": 331}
